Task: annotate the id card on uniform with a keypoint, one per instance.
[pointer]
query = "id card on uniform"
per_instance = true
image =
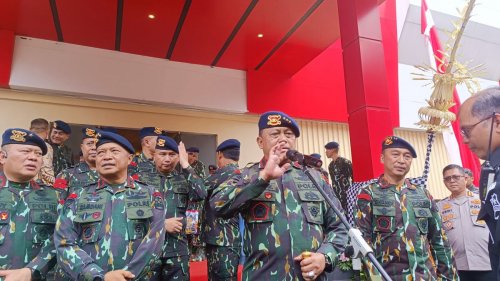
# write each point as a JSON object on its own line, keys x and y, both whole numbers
{"x": 192, "y": 217}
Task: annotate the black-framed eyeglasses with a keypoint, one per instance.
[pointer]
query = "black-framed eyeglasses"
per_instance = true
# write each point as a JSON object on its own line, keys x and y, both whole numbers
{"x": 466, "y": 130}
{"x": 454, "y": 178}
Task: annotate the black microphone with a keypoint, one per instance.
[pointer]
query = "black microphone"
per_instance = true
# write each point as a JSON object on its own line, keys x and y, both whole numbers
{"x": 306, "y": 160}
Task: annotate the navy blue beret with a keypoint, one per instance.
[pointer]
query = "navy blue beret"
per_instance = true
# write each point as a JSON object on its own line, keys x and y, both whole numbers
{"x": 167, "y": 143}
{"x": 106, "y": 137}
{"x": 22, "y": 136}
{"x": 272, "y": 119}
{"x": 150, "y": 131}
{"x": 88, "y": 132}
{"x": 332, "y": 145}
{"x": 109, "y": 129}
{"x": 316, "y": 155}
{"x": 63, "y": 126}
{"x": 227, "y": 144}
{"x": 397, "y": 142}
{"x": 193, "y": 149}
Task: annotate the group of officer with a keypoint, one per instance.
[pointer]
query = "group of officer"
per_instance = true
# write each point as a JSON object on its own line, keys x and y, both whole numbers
{"x": 116, "y": 217}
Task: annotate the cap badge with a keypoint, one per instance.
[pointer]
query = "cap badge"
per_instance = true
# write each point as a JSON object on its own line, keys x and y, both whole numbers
{"x": 18, "y": 136}
{"x": 274, "y": 120}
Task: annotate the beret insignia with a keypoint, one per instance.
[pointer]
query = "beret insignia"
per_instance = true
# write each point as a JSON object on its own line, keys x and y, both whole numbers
{"x": 274, "y": 120}
{"x": 161, "y": 142}
{"x": 18, "y": 136}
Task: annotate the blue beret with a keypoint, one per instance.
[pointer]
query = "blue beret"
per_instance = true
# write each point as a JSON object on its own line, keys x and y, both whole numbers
{"x": 332, "y": 145}
{"x": 167, "y": 143}
{"x": 63, "y": 126}
{"x": 150, "y": 131}
{"x": 227, "y": 144}
{"x": 109, "y": 129}
{"x": 88, "y": 132}
{"x": 397, "y": 142}
{"x": 106, "y": 137}
{"x": 22, "y": 136}
{"x": 272, "y": 119}
{"x": 316, "y": 155}
{"x": 193, "y": 149}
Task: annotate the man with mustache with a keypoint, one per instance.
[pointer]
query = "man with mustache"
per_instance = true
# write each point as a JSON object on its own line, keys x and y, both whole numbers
{"x": 111, "y": 229}
{"x": 83, "y": 173}
{"x": 28, "y": 210}
{"x": 290, "y": 231}
{"x": 63, "y": 156}
{"x": 401, "y": 221}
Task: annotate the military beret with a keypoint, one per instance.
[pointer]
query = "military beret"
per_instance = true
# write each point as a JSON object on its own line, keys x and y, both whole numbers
{"x": 193, "y": 149}
{"x": 397, "y": 142}
{"x": 332, "y": 145}
{"x": 106, "y": 137}
{"x": 22, "y": 136}
{"x": 227, "y": 144}
{"x": 150, "y": 131}
{"x": 272, "y": 119}
{"x": 167, "y": 143}
{"x": 316, "y": 155}
{"x": 63, "y": 126}
{"x": 88, "y": 132}
{"x": 109, "y": 129}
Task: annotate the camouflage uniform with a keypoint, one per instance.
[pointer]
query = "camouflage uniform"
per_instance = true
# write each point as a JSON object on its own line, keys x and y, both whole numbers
{"x": 177, "y": 189}
{"x": 141, "y": 165}
{"x": 222, "y": 236}
{"x": 403, "y": 226}
{"x": 28, "y": 214}
{"x": 76, "y": 178}
{"x": 63, "y": 158}
{"x": 341, "y": 174}
{"x": 283, "y": 218}
{"x": 196, "y": 245}
{"x": 104, "y": 228}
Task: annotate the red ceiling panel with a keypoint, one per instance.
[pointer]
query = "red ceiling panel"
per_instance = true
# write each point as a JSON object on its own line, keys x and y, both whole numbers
{"x": 318, "y": 32}
{"x": 35, "y": 20}
{"x": 207, "y": 26}
{"x": 145, "y": 36}
{"x": 273, "y": 19}
{"x": 8, "y": 14}
{"x": 89, "y": 23}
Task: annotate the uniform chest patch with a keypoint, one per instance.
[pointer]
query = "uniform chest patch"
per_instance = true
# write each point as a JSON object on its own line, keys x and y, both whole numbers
{"x": 383, "y": 223}
{"x": 260, "y": 211}
{"x": 4, "y": 216}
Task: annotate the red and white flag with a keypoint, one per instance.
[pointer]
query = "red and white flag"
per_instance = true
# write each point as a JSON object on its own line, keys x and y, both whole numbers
{"x": 457, "y": 151}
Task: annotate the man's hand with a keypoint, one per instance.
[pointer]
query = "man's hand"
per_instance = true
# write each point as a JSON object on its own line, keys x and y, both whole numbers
{"x": 313, "y": 266}
{"x": 272, "y": 170}
{"x": 183, "y": 156}
{"x": 118, "y": 275}
{"x": 173, "y": 225}
{"x": 23, "y": 274}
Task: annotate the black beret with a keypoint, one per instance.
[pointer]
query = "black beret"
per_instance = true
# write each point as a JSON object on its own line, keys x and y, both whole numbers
{"x": 272, "y": 119}
{"x": 193, "y": 149}
{"x": 106, "y": 137}
{"x": 167, "y": 143}
{"x": 22, "y": 136}
{"x": 88, "y": 132}
{"x": 150, "y": 131}
{"x": 332, "y": 145}
{"x": 397, "y": 142}
{"x": 63, "y": 126}
{"x": 227, "y": 144}
{"x": 316, "y": 155}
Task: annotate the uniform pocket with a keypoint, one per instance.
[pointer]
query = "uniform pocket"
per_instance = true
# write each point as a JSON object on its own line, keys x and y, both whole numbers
{"x": 384, "y": 218}
{"x": 422, "y": 216}
{"x": 138, "y": 222}
{"x": 43, "y": 223}
{"x": 312, "y": 205}
{"x": 262, "y": 208}
{"x": 181, "y": 190}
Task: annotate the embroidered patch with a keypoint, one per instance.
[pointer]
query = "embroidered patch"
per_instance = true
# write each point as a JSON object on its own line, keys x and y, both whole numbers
{"x": 364, "y": 196}
{"x": 260, "y": 211}
{"x": 18, "y": 136}
{"x": 383, "y": 223}
{"x": 158, "y": 201}
{"x": 448, "y": 225}
{"x": 474, "y": 212}
{"x": 96, "y": 215}
{"x": 446, "y": 206}
{"x": 274, "y": 120}
{"x": 160, "y": 142}
{"x": 268, "y": 195}
{"x": 60, "y": 183}
{"x": 4, "y": 216}
{"x": 314, "y": 211}
{"x": 88, "y": 232}
{"x": 93, "y": 197}
{"x": 140, "y": 213}
{"x": 311, "y": 196}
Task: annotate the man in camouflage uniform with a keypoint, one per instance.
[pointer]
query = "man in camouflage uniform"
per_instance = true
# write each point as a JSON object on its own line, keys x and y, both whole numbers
{"x": 40, "y": 127}
{"x": 196, "y": 245}
{"x": 323, "y": 172}
{"x": 340, "y": 170}
{"x": 63, "y": 156}
{"x": 112, "y": 228}
{"x": 28, "y": 211}
{"x": 285, "y": 215}
{"x": 84, "y": 172}
{"x": 177, "y": 188}
{"x": 222, "y": 236}
{"x": 142, "y": 164}
{"x": 401, "y": 222}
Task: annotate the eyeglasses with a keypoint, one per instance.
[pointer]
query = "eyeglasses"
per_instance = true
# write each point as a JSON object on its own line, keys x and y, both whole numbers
{"x": 466, "y": 130}
{"x": 454, "y": 178}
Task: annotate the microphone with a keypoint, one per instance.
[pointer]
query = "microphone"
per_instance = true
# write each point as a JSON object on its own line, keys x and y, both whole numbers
{"x": 306, "y": 160}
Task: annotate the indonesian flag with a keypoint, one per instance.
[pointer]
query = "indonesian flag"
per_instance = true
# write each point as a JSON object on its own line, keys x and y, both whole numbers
{"x": 458, "y": 152}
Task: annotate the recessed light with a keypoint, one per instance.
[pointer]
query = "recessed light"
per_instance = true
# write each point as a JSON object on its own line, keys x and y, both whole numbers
{"x": 260, "y": 35}
{"x": 151, "y": 16}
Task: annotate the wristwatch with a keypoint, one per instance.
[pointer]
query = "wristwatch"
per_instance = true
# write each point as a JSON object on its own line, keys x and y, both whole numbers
{"x": 328, "y": 263}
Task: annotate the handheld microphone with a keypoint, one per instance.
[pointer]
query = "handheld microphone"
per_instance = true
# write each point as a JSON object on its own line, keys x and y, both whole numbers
{"x": 306, "y": 160}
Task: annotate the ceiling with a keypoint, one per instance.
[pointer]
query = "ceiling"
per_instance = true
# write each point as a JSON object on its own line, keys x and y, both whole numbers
{"x": 221, "y": 33}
